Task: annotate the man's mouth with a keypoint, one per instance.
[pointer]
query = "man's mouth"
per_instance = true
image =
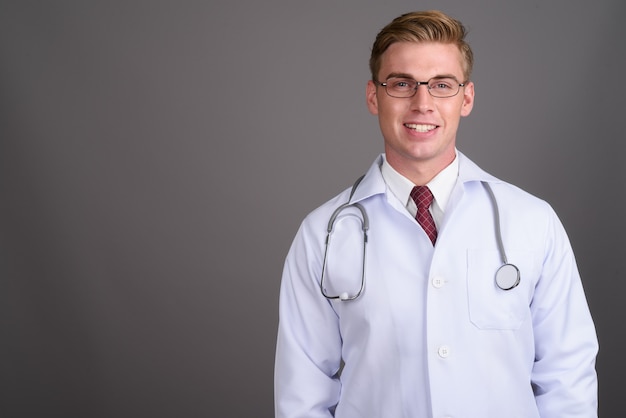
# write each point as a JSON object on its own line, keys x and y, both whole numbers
{"x": 420, "y": 127}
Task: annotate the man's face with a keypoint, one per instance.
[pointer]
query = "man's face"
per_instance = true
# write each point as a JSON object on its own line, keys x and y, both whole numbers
{"x": 420, "y": 131}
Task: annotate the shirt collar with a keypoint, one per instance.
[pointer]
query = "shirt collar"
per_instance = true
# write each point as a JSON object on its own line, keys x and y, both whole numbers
{"x": 441, "y": 185}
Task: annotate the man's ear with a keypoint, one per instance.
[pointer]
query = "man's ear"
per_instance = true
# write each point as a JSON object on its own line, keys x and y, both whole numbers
{"x": 371, "y": 98}
{"x": 468, "y": 99}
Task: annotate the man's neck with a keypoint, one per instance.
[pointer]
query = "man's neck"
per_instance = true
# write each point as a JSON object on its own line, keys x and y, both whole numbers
{"x": 420, "y": 172}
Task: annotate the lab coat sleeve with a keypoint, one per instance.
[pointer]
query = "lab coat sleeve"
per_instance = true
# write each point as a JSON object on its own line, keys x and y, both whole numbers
{"x": 563, "y": 377}
{"x": 308, "y": 351}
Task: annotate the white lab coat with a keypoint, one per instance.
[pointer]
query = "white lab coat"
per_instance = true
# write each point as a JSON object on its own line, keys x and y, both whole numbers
{"x": 431, "y": 335}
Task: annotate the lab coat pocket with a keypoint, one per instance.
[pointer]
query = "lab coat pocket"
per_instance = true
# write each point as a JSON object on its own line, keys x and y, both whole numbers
{"x": 489, "y": 306}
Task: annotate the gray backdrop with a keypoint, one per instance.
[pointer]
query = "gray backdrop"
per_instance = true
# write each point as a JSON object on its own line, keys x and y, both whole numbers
{"x": 157, "y": 157}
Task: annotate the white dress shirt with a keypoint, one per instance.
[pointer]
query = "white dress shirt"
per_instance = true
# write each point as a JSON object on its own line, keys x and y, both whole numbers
{"x": 440, "y": 186}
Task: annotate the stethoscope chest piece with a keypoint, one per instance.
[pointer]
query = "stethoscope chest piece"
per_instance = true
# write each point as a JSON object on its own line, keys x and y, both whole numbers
{"x": 507, "y": 276}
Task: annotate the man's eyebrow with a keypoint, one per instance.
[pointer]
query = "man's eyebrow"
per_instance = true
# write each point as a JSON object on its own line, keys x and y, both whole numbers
{"x": 405, "y": 75}
{"x": 399, "y": 75}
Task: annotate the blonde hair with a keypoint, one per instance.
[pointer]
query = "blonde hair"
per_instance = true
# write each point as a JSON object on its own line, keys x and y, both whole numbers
{"x": 425, "y": 26}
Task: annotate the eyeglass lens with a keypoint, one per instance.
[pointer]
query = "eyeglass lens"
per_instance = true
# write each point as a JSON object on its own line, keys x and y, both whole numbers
{"x": 407, "y": 87}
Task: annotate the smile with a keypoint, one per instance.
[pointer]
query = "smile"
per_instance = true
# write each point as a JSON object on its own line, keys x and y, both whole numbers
{"x": 419, "y": 127}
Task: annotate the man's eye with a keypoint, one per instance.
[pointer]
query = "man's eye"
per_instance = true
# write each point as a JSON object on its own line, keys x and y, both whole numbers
{"x": 442, "y": 84}
{"x": 401, "y": 84}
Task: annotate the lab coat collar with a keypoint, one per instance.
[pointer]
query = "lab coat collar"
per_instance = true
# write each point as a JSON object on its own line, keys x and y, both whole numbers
{"x": 373, "y": 182}
{"x": 469, "y": 171}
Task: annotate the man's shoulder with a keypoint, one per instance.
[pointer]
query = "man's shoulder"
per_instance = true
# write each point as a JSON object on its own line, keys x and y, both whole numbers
{"x": 507, "y": 193}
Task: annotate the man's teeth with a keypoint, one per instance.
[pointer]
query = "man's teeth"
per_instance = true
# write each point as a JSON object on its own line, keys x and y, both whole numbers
{"x": 420, "y": 128}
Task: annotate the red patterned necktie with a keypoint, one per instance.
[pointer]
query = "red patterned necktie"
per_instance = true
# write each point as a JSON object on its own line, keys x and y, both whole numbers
{"x": 423, "y": 197}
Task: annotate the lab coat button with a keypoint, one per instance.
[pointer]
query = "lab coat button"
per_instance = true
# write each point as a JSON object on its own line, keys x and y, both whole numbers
{"x": 443, "y": 351}
{"x": 438, "y": 282}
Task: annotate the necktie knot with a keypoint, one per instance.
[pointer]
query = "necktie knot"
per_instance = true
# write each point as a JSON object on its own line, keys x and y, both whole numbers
{"x": 423, "y": 198}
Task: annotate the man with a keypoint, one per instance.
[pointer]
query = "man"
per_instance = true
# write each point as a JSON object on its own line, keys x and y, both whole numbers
{"x": 416, "y": 322}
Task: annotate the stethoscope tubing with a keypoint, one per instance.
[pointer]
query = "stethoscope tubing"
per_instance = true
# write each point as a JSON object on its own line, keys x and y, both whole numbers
{"x": 507, "y": 276}
{"x": 344, "y": 296}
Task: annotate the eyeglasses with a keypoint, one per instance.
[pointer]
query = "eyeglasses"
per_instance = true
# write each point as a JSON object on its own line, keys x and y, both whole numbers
{"x": 440, "y": 87}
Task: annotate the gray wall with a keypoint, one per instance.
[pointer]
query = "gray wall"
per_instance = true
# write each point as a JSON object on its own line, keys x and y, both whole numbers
{"x": 157, "y": 157}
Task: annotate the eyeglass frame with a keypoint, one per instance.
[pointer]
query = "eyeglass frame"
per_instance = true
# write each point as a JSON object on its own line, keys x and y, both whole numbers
{"x": 420, "y": 83}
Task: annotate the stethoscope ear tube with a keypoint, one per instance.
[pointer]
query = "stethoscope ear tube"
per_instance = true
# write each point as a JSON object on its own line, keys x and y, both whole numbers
{"x": 365, "y": 224}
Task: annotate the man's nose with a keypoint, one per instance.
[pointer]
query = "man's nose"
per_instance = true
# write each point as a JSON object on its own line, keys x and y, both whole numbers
{"x": 422, "y": 100}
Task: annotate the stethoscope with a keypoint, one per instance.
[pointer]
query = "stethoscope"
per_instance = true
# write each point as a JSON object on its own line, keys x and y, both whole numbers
{"x": 507, "y": 276}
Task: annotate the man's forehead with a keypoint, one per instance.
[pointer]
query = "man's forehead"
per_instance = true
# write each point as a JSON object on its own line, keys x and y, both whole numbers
{"x": 421, "y": 59}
